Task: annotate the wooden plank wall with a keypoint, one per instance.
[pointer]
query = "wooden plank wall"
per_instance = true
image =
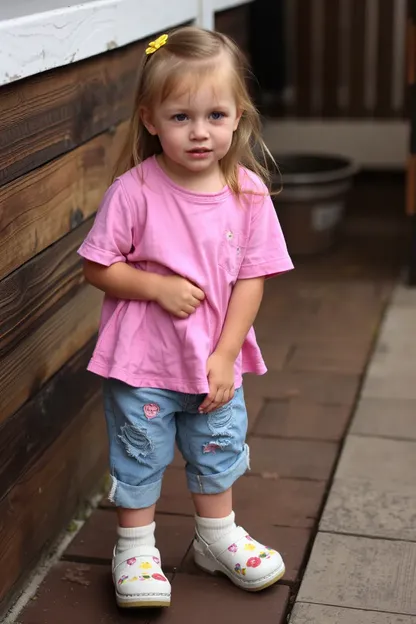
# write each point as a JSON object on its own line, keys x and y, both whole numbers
{"x": 236, "y": 24}
{"x": 411, "y": 79}
{"x": 59, "y": 135}
{"x": 60, "y": 132}
{"x": 345, "y": 58}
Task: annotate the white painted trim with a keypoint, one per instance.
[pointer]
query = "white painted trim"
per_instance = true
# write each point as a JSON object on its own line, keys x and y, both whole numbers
{"x": 49, "y": 38}
{"x": 369, "y": 143}
{"x": 36, "y": 43}
{"x": 222, "y": 5}
{"x": 206, "y": 15}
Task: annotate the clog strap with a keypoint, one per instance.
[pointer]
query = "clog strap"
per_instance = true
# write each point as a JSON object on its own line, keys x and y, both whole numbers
{"x": 221, "y": 545}
{"x": 137, "y": 551}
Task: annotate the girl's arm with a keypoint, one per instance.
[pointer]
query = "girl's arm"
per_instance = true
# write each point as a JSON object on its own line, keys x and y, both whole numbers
{"x": 242, "y": 310}
{"x": 173, "y": 293}
{"x": 123, "y": 281}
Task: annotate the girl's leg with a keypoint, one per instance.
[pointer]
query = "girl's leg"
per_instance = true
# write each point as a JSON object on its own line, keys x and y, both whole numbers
{"x": 214, "y": 447}
{"x": 141, "y": 428}
{"x": 213, "y": 505}
{"x": 128, "y": 518}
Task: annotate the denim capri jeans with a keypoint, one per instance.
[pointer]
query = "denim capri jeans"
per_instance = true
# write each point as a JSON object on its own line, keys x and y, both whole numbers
{"x": 143, "y": 424}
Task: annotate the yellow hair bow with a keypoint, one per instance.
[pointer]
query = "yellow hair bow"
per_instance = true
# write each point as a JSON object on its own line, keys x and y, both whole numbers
{"x": 155, "y": 45}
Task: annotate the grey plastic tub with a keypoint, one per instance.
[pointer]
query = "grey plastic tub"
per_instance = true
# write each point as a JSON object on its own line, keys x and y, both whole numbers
{"x": 312, "y": 203}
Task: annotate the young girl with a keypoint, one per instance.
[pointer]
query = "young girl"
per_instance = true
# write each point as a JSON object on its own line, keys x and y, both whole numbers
{"x": 181, "y": 245}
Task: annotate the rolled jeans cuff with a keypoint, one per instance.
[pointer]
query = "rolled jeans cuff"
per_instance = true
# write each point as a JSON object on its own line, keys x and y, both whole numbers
{"x": 220, "y": 482}
{"x": 134, "y": 496}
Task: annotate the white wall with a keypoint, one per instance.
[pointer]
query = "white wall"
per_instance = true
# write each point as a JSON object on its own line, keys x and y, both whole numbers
{"x": 374, "y": 144}
{"x": 37, "y": 35}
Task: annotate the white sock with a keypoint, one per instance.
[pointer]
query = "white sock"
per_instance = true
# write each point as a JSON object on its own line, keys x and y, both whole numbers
{"x": 212, "y": 529}
{"x": 135, "y": 536}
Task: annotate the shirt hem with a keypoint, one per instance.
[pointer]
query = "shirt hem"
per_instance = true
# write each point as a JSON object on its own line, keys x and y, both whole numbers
{"x": 175, "y": 385}
{"x": 100, "y": 256}
{"x": 265, "y": 269}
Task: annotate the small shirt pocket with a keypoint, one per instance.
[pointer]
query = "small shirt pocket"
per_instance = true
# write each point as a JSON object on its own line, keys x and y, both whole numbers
{"x": 231, "y": 252}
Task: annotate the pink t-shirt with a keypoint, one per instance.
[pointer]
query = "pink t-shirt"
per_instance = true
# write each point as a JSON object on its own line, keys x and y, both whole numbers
{"x": 213, "y": 240}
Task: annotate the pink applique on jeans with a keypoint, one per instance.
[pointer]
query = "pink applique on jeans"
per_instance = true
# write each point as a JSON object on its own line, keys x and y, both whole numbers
{"x": 151, "y": 410}
{"x": 211, "y": 447}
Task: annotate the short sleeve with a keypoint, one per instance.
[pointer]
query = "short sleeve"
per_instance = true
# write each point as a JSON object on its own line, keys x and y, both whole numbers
{"x": 266, "y": 252}
{"x": 111, "y": 236}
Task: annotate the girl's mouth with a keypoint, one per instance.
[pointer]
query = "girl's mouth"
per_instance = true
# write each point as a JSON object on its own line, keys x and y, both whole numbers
{"x": 199, "y": 152}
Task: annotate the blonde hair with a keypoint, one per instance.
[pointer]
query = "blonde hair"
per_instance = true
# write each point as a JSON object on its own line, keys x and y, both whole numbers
{"x": 195, "y": 50}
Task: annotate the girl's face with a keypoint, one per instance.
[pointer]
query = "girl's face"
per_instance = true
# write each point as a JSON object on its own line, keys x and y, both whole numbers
{"x": 195, "y": 125}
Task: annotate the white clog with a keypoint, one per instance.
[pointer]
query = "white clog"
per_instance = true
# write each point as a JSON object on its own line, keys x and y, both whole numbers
{"x": 247, "y": 563}
{"x": 138, "y": 578}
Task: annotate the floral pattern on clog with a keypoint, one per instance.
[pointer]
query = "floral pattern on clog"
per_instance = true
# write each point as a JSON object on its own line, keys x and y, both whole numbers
{"x": 239, "y": 569}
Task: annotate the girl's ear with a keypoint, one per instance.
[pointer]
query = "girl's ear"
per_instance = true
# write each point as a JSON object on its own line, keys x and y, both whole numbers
{"x": 237, "y": 120}
{"x": 147, "y": 121}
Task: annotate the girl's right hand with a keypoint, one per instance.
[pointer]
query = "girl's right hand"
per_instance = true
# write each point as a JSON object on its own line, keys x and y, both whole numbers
{"x": 178, "y": 296}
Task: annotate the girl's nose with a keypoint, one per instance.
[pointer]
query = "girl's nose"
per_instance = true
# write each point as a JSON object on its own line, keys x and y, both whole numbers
{"x": 199, "y": 131}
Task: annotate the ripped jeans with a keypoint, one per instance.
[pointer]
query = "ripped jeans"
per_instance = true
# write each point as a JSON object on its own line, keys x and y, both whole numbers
{"x": 143, "y": 424}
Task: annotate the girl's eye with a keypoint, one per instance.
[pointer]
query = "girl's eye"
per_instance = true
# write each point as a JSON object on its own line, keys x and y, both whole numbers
{"x": 180, "y": 117}
{"x": 216, "y": 115}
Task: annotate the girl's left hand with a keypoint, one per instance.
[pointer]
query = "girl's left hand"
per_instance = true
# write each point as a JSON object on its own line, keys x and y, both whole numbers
{"x": 220, "y": 373}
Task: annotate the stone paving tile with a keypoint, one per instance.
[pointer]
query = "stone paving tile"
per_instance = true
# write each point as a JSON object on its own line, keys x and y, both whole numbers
{"x": 372, "y": 508}
{"x": 379, "y": 459}
{"x": 296, "y": 459}
{"x": 395, "y": 343}
{"x": 96, "y": 539}
{"x": 390, "y": 418}
{"x": 383, "y": 387}
{"x": 78, "y": 593}
{"x": 399, "y": 325}
{"x": 404, "y": 297}
{"x": 361, "y": 573}
{"x": 295, "y": 418}
{"x": 254, "y": 407}
{"x": 291, "y": 543}
{"x": 387, "y": 363}
{"x": 306, "y": 613}
{"x": 214, "y": 599}
{"x": 84, "y": 594}
{"x": 312, "y": 386}
{"x": 275, "y": 354}
{"x": 283, "y": 502}
{"x": 337, "y": 355}
{"x": 305, "y": 327}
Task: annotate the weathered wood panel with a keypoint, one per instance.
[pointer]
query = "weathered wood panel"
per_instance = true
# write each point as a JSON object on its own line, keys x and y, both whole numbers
{"x": 235, "y": 23}
{"x": 345, "y": 58}
{"x": 28, "y": 433}
{"x": 411, "y": 81}
{"x": 48, "y": 115}
{"x": 44, "y": 351}
{"x": 356, "y": 77}
{"x": 32, "y": 293}
{"x": 41, "y": 207}
{"x": 303, "y": 67}
{"x": 331, "y": 58}
{"x": 44, "y": 498}
{"x": 411, "y": 167}
{"x": 385, "y": 46}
